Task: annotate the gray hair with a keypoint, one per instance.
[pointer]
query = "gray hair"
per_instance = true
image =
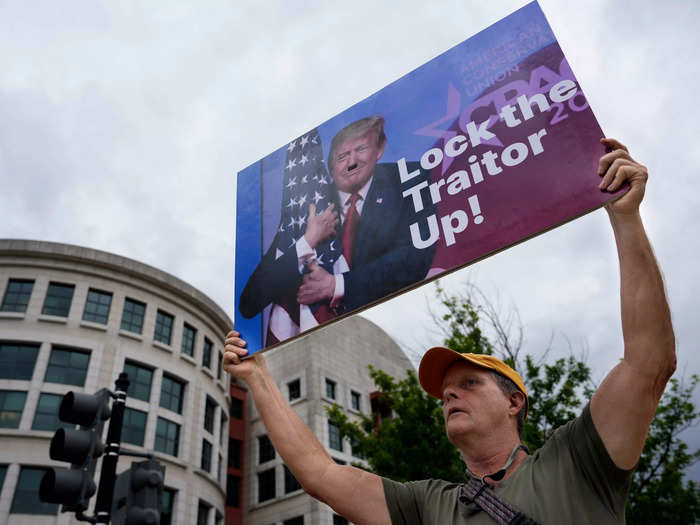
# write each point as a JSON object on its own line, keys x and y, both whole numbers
{"x": 508, "y": 387}
{"x": 357, "y": 129}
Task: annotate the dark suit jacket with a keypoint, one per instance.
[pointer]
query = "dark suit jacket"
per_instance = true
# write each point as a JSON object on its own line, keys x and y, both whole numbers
{"x": 384, "y": 258}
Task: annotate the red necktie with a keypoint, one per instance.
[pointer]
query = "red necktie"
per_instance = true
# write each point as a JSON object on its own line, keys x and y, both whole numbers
{"x": 352, "y": 219}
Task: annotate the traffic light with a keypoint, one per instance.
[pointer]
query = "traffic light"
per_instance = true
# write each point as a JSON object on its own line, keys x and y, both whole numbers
{"x": 80, "y": 447}
{"x": 138, "y": 494}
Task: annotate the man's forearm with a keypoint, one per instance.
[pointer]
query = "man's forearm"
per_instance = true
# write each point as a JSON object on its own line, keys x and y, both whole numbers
{"x": 646, "y": 319}
{"x": 292, "y": 438}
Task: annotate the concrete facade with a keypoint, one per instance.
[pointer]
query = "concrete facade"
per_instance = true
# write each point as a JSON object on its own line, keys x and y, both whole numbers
{"x": 339, "y": 353}
{"x": 109, "y": 347}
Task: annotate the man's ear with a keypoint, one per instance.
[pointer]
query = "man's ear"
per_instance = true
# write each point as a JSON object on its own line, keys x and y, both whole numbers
{"x": 517, "y": 402}
{"x": 380, "y": 152}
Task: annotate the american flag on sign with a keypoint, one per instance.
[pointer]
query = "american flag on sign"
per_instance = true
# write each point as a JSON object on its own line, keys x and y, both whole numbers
{"x": 305, "y": 181}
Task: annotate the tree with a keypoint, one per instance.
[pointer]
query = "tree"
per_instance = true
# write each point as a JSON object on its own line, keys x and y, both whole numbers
{"x": 557, "y": 391}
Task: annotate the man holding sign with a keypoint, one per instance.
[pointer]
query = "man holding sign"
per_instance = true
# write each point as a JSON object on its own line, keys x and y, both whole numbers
{"x": 581, "y": 475}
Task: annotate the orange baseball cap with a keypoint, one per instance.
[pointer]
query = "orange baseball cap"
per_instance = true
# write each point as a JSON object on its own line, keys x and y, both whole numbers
{"x": 437, "y": 360}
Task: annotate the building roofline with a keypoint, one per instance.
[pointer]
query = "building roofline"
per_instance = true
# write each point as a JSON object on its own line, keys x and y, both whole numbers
{"x": 117, "y": 263}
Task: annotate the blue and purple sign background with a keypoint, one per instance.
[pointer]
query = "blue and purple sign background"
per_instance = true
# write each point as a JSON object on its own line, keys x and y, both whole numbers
{"x": 501, "y": 185}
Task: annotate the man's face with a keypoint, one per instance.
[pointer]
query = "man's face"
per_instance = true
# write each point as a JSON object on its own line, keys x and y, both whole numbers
{"x": 353, "y": 161}
{"x": 473, "y": 403}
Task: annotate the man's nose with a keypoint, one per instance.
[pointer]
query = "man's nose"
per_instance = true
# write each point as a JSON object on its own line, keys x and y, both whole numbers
{"x": 352, "y": 161}
{"x": 448, "y": 393}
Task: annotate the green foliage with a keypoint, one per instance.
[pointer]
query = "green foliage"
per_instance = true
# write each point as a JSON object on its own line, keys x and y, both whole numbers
{"x": 412, "y": 443}
{"x": 658, "y": 494}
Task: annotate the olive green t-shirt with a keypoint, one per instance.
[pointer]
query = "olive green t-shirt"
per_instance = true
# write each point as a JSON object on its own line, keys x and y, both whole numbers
{"x": 571, "y": 479}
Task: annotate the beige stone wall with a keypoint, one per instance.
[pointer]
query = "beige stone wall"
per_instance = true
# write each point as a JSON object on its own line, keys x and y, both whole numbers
{"x": 109, "y": 347}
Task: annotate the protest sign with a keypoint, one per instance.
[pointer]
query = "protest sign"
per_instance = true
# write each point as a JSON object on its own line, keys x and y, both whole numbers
{"x": 487, "y": 145}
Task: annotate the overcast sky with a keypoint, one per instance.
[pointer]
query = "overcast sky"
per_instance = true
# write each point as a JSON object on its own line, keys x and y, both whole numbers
{"x": 123, "y": 124}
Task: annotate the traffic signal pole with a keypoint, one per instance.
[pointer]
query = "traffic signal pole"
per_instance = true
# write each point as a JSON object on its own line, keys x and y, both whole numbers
{"x": 103, "y": 505}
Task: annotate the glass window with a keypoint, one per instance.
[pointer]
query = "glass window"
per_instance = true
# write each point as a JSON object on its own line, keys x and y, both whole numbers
{"x": 266, "y": 485}
{"x": 355, "y": 400}
{"x": 266, "y": 452}
{"x": 140, "y": 378}
{"x": 222, "y": 428}
{"x": 233, "y": 491}
{"x": 294, "y": 389}
{"x": 339, "y": 520}
{"x": 46, "y": 415}
{"x": 355, "y": 446}
{"x": 334, "y": 440}
{"x": 234, "y": 453}
{"x": 330, "y": 389}
{"x": 3, "y": 471}
{"x": 97, "y": 306}
{"x": 219, "y": 366}
{"x": 167, "y": 437}
{"x": 236, "y": 408}
{"x": 166, "y": 507}
{"x": 132, "y": 316}
{"x": 297, "y": 520}
{"x": 209, "y": 411}
{"x": 134, "y": 426}
{"x": 17, "y": 360}
{"x": 17, "y": 295}
{"x": 206, "y": 456}
{"x": 58, "y": 299}
{"x": 11, "y": 407}
{"x": 171, "y": 394}
{"x": 290, "y": 482}
{"x": 206, "y": 353}
{"x": 67, "y": 366}
{"x": 26, "y": 500}
{"x": 164, "y": 327}
{"x": 188, "y": 336}
{"x": 203, "y": 513}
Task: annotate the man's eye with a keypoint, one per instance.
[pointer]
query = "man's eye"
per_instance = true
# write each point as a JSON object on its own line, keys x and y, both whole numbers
{"x": 362, "y": 148}
{"x": 342, "y": 156}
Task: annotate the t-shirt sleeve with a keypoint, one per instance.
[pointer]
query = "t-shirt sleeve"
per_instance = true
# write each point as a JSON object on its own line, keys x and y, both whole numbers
{"x": 404, "y": 501}
{"x": 608, "y": 481}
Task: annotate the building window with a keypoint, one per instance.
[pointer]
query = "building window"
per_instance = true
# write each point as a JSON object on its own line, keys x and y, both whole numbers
{"x": 140, "y": 378}
{"x": 3, "y": 471}
{"x": 132, "y": 316}
{"x": 203, "y": 513}
{"x": 164, "y": 327}
{"x": 11, "y": 407}
{"x": 188, "y": 336}
{"x": 355, "y": 400}
{"x": 167, "y": 437}
{"x": 266, "y": 485}
{"x": 290, "y": 482}
{"x": 219, "y": 366}
{"x": 26, "y": 500}
{"x": 58, "y": 299}
{"x": 339, "y": 520}
{"x": 330, "y": 389}
{"x": 17, "y": 360}
{"x": 166, "y": 507}
{"x": 294, "y": 389}
{"x": 234, "y": 453}
{"x": 206, "y": 353}
{"x": 223, "y": 423}
{"x": 17, "y": 295}
{"x": 355, "y": 446}
{"x": 297, "y": 520}
{"x": 236, "y": 408}
{"x": 209, "y": 412}
{"x": 233, "y": 491}
{"x": 205, "y": 464}
{"x": 68, "y": 367}
{"x": 97, "y": 306}
{"x": 171, "y": 393}
{"x": 334, "y": 440}
{"x": 134, "y": 426}
{"x": 219, "y": 467}
{"x": 266, "y": 452}
{"x": 46, "y": 415}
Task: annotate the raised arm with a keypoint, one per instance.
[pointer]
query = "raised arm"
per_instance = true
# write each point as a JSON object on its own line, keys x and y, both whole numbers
{"x": 355, "y": 494}
{"x": 625, "y": 403}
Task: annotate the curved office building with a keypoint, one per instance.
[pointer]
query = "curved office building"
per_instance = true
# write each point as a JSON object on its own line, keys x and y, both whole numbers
{"x": 73, "y": 318}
